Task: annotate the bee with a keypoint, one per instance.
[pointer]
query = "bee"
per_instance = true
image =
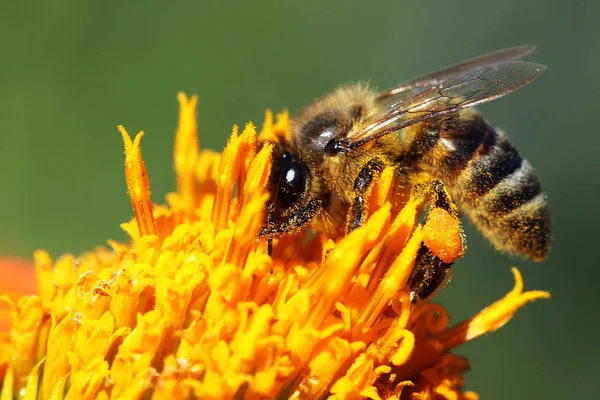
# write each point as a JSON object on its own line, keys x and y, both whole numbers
{"x": 341, "y": 142}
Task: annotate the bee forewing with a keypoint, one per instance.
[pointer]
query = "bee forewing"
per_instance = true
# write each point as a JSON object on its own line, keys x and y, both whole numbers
{"x": 510, "y": 54}
{"x": 476, "y": 86}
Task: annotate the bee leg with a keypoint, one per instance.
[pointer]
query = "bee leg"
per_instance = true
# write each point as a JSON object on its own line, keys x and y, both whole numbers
{"x": 441, "y": 198}
{"x": 428, "y": 274}
{"x": 434, "y": 259}
{"x": 363, "y": 182}
{"x": 296, "y": 221}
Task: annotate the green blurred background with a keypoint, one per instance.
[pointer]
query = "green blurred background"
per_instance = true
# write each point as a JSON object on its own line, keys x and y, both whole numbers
{"x": 71, "y": 70}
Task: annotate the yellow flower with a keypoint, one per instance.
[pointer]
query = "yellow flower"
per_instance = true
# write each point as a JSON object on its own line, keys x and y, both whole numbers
{"x": 193, "y": 307}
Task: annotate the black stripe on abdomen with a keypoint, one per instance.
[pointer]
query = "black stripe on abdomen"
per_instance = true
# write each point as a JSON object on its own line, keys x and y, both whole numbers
{"x": 513, "y": 191}
{"x": 497, "y": 159}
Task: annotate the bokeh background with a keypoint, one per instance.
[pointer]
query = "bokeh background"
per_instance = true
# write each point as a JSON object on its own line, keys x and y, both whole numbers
{"x": 70, "y": 71}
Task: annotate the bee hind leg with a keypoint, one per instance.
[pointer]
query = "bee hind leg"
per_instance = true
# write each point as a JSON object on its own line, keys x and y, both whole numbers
{"x": 363, "y": 182}
{"x": 443, "y": 243}
{"x": 428, "y": 274}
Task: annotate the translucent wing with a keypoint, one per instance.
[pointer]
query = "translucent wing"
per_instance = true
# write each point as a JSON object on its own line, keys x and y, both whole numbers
{"x": 427, "y": 81}
{"x": 476, "y": 86}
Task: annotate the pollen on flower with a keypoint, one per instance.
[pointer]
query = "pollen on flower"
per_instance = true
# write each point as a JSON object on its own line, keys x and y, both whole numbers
{"x": 192, "y": 306}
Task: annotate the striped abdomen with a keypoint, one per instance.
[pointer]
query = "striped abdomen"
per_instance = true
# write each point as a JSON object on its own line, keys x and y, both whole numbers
{"x": 490, "y": 181}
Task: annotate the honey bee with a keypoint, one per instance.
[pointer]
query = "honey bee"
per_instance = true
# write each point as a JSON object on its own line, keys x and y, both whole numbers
{"x": 341, "y": 142}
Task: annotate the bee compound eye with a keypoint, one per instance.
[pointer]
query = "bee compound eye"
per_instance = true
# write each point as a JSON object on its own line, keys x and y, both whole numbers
{"x": 292, "y": 184}
{"x": 292, "y": 176}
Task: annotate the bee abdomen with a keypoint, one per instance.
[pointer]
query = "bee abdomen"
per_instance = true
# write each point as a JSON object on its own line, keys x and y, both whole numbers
{"x": 526, "y": 230}
{"x": 495, "y": 160}
{"x": 489, "y": 180}
{"x": 513, "y": 191}
{"x": 503, "y": 196}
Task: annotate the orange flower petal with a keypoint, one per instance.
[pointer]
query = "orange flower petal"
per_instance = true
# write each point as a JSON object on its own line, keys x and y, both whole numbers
{"x": 18, "y": 279}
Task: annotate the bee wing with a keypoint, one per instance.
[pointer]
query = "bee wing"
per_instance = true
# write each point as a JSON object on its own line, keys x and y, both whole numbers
{"x": 479, "y": 85}
{"x": 427, "y": 81}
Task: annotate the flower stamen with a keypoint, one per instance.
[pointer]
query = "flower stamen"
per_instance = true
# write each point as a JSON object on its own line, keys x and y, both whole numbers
{"x": 185, "y": 155}
{"x": 138, "y": 183}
